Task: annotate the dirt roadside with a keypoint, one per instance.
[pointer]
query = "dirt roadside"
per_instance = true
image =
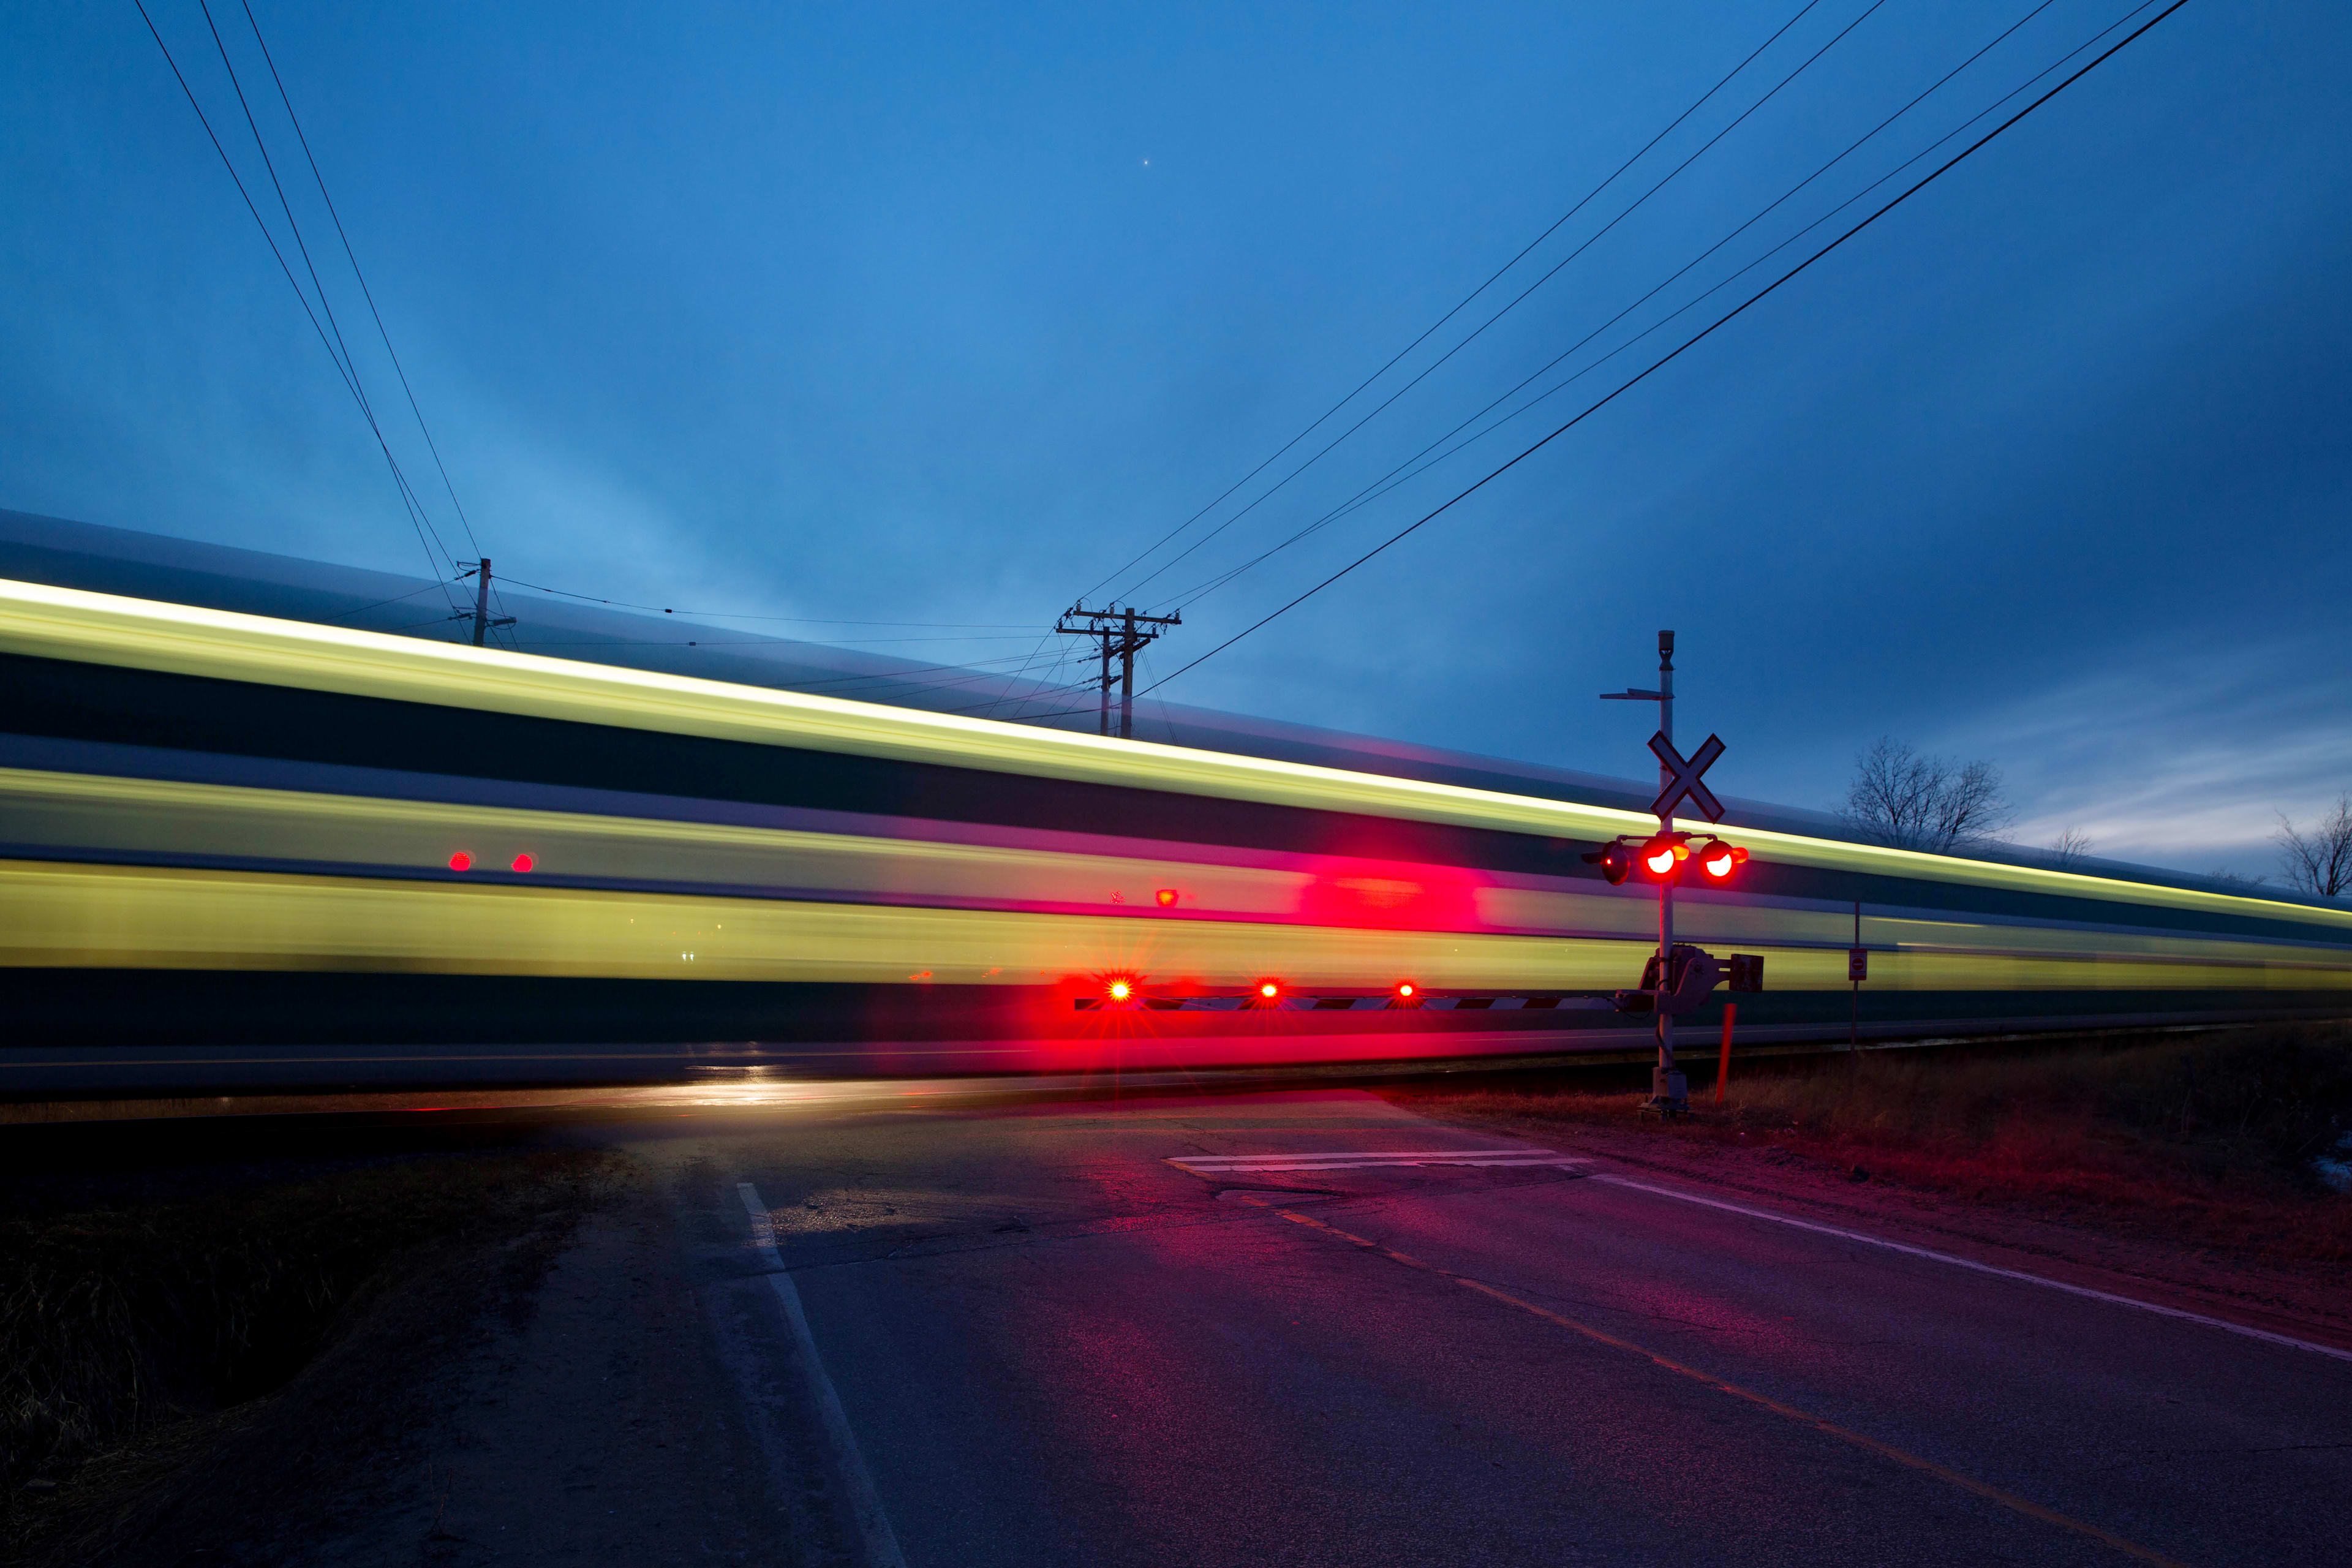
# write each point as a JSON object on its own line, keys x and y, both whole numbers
{"x": 563, "y": 1397}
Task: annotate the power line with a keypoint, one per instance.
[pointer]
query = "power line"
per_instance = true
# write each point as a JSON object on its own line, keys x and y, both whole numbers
{"x": 762, "y": 642}
{"x": 326, "y": 305}
{"x": 399, "y": 480}
{"x": 1465, "y": 301}
{"x": 365, "y": 293}
{"x": 1022, "y": 626}
{"x": 1680, "y": 349}
{"x": 1382, "y": 485}
{"x": 1589, "y": 241}
{"x": 395, "y": 599}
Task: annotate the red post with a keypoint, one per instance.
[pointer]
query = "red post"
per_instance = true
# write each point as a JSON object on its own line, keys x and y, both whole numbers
{"x": 1723, "y": 1063}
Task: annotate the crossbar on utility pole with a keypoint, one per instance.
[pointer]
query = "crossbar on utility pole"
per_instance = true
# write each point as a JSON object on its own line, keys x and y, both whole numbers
{"x": 1124, "y": 633}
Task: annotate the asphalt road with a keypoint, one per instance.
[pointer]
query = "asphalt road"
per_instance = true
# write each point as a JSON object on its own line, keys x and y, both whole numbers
{"x": 1050, "y": 1343}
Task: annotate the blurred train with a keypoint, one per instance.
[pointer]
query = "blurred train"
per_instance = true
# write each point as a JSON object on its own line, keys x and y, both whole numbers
{"x": 241, "y": 848}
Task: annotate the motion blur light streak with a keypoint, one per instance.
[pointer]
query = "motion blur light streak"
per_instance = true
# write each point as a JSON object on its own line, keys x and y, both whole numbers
{"x": 44, "y": 622}
{"x": 937, "y": 902}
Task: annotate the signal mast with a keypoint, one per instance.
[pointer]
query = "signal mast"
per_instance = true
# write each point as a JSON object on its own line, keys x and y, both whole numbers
{"x": 1679, "y": 976}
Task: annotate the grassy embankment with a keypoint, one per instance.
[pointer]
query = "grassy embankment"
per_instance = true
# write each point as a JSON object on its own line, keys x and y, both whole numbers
{"x": 149, "y": 1317}
{"x": 2211, "y": 1138}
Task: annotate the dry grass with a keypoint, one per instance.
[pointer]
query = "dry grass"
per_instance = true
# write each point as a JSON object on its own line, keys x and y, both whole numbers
{"x": 2208, "y": 1137}
{"x": 122, "y": 1320}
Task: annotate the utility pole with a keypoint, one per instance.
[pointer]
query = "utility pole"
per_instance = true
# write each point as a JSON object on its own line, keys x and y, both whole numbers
{"x": 1126, "y": 633}
{"x": 1679, "y": 978}
{"x": 482, "y": 618}
{"x": 1665, "y": 1083}
{"x": 1667, "y": 1093}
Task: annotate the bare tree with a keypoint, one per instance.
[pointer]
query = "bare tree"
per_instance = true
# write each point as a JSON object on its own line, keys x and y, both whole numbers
{"x": 1915, "y": 802}
{"x": 2319, "y": 861}
{"x": 2071, "y": 847}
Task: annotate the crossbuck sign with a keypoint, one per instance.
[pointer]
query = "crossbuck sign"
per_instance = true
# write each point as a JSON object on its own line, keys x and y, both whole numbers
{"x": 1683, "y": 779}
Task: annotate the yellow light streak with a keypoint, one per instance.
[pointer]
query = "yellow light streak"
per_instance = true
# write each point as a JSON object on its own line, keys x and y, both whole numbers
{"x": 56, "y": 915}
{"x": 49, "y": 622}
{"x": 82, "y": 814}
{"x": 61, "y": 915}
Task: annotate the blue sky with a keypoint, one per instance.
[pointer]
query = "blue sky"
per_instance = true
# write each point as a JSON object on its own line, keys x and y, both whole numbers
{"x": 941, "y": 314}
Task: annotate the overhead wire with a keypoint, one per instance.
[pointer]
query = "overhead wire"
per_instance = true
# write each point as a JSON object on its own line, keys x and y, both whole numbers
{"x": 365, "y": 292}
{"x": 1462, "y": 304}
{"x": 1465, "y": 301}
{"x": 1392, "y": 479}
{"x": 420, "y": 524}
{"x": 1522, "y": 296}
{"x": 395, "y": 599}
{"x": 326, "y": 304}
{"x": 1022, "y": 626}
{"x": 761, "y": 642}
{"x": 1680, "y": 349}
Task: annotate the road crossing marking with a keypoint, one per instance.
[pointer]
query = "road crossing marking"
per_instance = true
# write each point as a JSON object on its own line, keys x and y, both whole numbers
{"x": 1843, "y": 1433}
{"x": 1484, "y": 1159}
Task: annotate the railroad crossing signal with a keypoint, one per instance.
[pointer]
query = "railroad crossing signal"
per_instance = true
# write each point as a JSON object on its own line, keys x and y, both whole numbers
{"x": 1680, "y": 975}
{"x": 1664, "y": 857}
{"x": 1683, "y": 778}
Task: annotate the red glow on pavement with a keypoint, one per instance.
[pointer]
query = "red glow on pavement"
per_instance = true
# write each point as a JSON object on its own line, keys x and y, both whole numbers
{"x": 461, "y": 861}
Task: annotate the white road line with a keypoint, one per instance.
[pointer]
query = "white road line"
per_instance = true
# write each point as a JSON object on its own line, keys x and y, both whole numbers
{"x": 1355, "y": 1154}
{"x": 872, "y": 1525}
{"x": 1484, "y": 1159}
{"x": 1957, "y": 1262}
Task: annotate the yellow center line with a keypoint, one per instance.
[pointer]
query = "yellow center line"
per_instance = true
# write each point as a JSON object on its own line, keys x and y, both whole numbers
{"x": 1886, "y": 1450}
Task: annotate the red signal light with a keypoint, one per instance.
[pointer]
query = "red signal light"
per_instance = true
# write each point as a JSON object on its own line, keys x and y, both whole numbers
{"x": 1719, "y": 860}
{"x": 1268, "y": 989}
{"x": 461, "y": 861}
{"x": 1406, "y": 991}
{"x": 1120, "y": 990}
{"x": 1167, "y": 897}
{"x": 524, "y": 862}
{"x": 1659, "y": 859}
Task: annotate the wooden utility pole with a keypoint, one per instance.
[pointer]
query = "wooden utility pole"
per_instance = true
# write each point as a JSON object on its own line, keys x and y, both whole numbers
{"x": 483, "y": 620}
{"x": 1124, "y": 633}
